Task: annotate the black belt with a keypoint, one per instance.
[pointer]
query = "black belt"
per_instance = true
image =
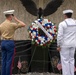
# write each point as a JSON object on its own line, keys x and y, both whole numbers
{"x": 7, "y": 39}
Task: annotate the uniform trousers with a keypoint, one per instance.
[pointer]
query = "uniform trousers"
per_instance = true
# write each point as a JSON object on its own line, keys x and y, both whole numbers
{"x": 7, "y": 47}
{"x": 67, "y": 60}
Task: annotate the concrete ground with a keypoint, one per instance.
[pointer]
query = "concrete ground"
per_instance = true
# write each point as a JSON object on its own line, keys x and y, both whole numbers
{"x": 38, "y": 74}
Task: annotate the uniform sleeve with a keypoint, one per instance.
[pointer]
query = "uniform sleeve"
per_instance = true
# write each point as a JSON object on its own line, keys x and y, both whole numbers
{"x": 16, "y": 25}
{"x": 0, "y": 31}
{"x": 60, "y": 35}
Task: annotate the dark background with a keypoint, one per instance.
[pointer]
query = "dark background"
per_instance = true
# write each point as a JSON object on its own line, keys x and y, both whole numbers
{"x": 35, "y": 58}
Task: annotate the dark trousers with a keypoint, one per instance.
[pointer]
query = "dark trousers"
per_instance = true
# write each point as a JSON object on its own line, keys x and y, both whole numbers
{"x": 7, "y": 47}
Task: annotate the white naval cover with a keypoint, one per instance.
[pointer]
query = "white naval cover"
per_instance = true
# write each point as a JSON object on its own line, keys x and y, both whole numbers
{"x": 9, "y": 12}
{"x": 67, "y": 11}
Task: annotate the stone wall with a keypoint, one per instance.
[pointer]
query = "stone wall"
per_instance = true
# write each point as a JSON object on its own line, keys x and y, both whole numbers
{"x": 22, "y": 14}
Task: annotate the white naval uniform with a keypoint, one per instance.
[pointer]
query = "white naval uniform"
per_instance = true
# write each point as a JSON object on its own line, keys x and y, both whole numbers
{"x": 66, "y": 39}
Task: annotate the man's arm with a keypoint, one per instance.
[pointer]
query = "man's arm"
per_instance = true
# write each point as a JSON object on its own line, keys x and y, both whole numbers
{"x": 59, "y": 37}
{"x": 0, "y": 35}
{"x": 22, "y": 23}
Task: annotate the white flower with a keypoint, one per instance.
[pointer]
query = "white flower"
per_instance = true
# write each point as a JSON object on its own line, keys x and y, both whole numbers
{"x": 44, "y": 21}
{"x": 39, "y": 37}
{"x": 34, "y": 33}
{"x": 49, "y": 22}
{"x": 48, "y": 39}
{"x": 52, "y": 23}
{"x": 41, "y": 44}
{"x": 33, "y": 23}
{"x": 29, "y": 31}
{"x": 31, "y": 28}
{"x": 33, "y": 36}
{"x": 49, "y": 30}
{"x": 35, "y": 40}
{"x": 48, "y": 25}
{"x": 45, "y": 41}
{"x": 42, "y": 41}
{"x": 52, "y": 38}
{"x": 32, "y": 39}
{"x": 38, "y": 19}
{"x": 53, "y": 31}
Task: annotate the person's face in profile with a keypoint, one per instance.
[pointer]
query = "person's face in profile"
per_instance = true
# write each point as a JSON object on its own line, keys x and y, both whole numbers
{"x": 65, "y": 16}
{"x": 11, "y": 16}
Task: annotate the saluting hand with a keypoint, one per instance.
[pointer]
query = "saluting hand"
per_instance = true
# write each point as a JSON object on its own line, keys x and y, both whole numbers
{"x": 22, "y": 23}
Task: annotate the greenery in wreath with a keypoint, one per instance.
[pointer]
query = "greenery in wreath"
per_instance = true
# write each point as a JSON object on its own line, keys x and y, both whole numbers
{"x": 41, "y": 39}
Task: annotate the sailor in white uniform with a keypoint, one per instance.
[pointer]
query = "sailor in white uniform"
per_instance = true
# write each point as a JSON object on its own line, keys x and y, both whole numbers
{"x": 66, "y": 42}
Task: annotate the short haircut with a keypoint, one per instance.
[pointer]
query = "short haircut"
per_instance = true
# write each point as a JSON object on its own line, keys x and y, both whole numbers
{"x": 7, "y": 15}
{"x": 69, "y": 15}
